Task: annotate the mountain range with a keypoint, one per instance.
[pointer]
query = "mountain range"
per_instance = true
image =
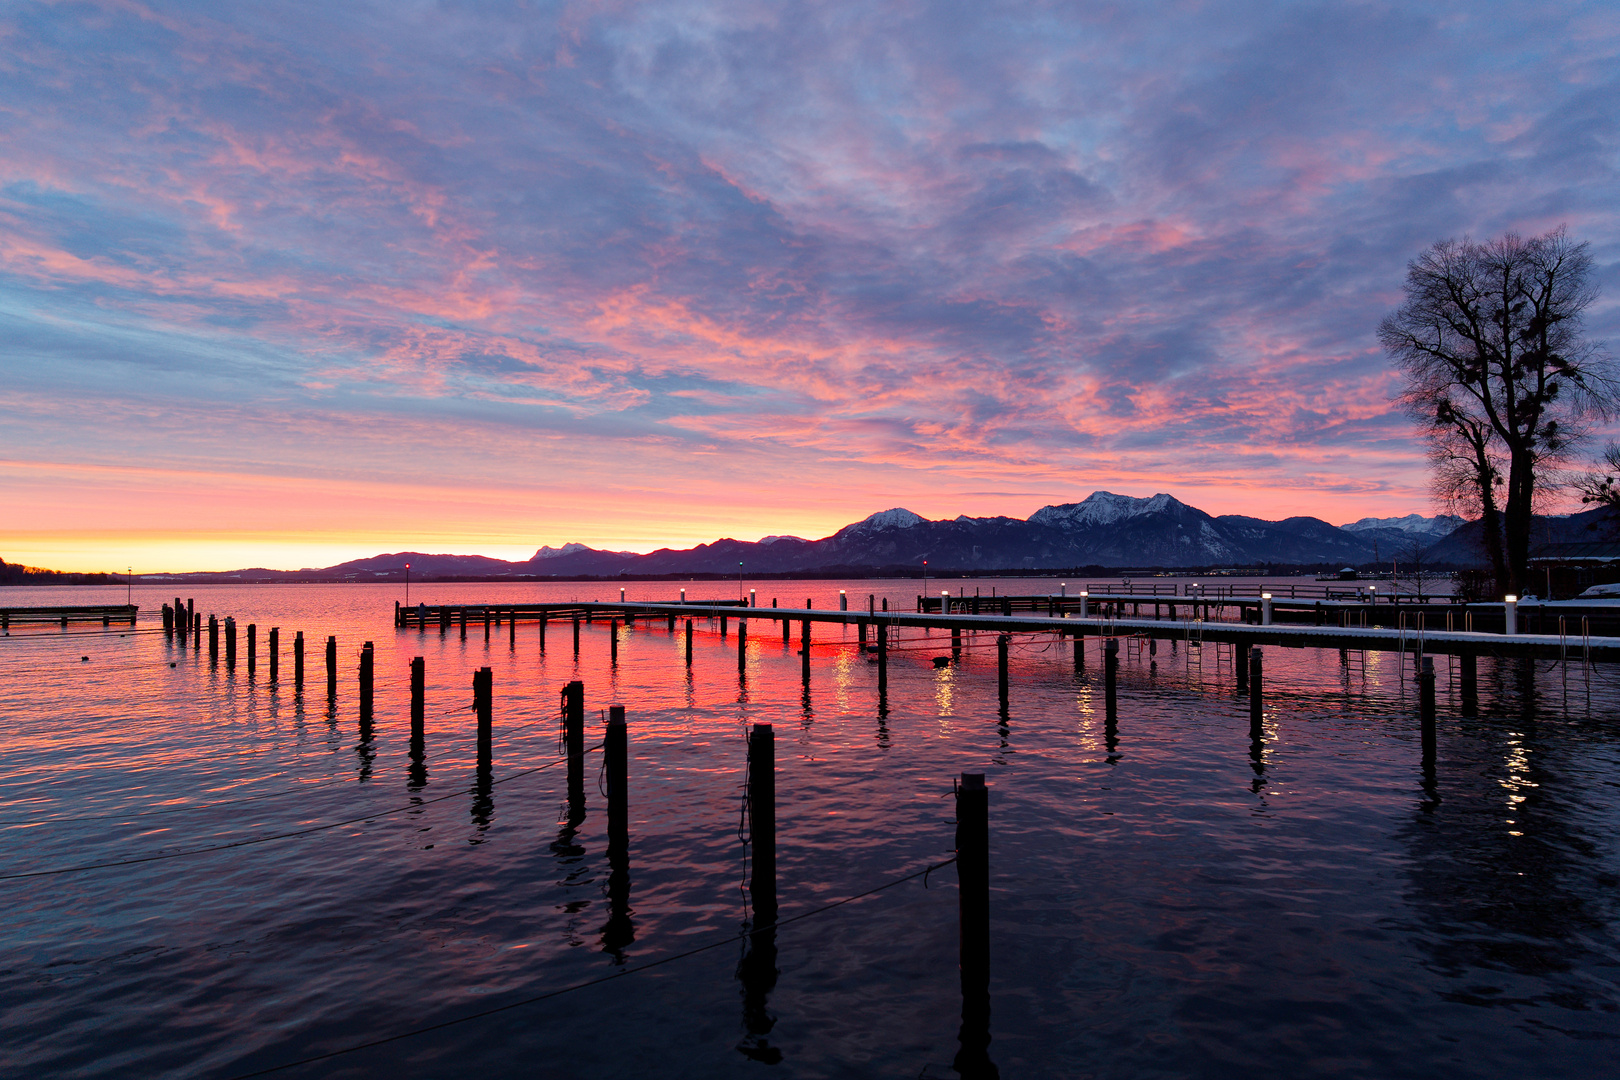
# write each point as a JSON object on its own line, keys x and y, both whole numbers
{"x": 1103, "y": 531}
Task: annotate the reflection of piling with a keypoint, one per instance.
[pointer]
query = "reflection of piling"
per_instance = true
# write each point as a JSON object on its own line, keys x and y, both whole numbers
{"x": 253, "y": 648}
{"x": 762, "y": 821}
{"x": 973, "y": 875}
{"x": 1426, "y": 709}
{"x": 573, "y": 701}
{"x": 1257, "y": 704}
{"x": 1002, "y": 643}
{"x": 331, "y": 667}
{"x": 298, "y": 661}
{"x": 688, "y": 642}
{"x": 616, "y": 765}
{"x": 1110, "y": 673}
{"x": 883, "y": 658}
{"x": 1468, "y": 669}
{"x": 418, "y": 698}
{"x": 484, "y": 706}
{"x": 275, "y": 653}
{"x": 367, "y": 670}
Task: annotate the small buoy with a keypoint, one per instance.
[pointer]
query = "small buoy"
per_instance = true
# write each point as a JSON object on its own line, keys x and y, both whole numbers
{"x": 171, "y": 663}
{"x": 82, "y": 659}
{"x": 942, "y": 661}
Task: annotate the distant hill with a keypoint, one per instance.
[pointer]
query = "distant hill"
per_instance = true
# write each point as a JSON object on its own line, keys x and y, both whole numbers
{"x": 15, "y": 574}
{"x": 1103, "y": 531}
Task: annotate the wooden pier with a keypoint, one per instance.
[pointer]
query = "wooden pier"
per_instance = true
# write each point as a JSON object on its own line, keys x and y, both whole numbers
{"x": 1418, "y": 636}
{"x": 105, "y": 614}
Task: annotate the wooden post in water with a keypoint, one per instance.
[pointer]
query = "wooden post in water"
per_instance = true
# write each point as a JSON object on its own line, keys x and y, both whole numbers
{"x": 804, "y": 648}
{"x": 484, "y": 704}
{"x": 230, "y": 642}
{"x": 418, "y": 700}
{"x": 486, "y": 624}
{"x": 956, "y": 643}
{"x": 253, "y": 648}
{"x": 1426, "y": 710}
{"x": 762, "y": 821}
{"x": 1257, "y": 704}
{"x": 616, "y": 766}
{"x": 542, "y": 633}
{"x": 787, "y": 631}
{"x": 742, "y": 646}
{"x": 213, "y": 639}
{"x": 1110, "y": 672}
{"x": 463, "y": 613}
{"x": 689, "y": 643}
{"x": 1468, "y": 670}
{"x": 275, "y": 653}
{"x": 576, "y": 635}
{"x": 883, "y": 659}
{"x": 367, "y": 671}
{"x": 1240, "y": 661}
{"x": 860, "y": 633}
{"x": 1079, "y": 650}
{"x": 1002, "y": 641}
{"x": 511, "y": 631}
{"x": 613, "y": 635}
{"x": 973, "y": 915}
{"x": 331, "y": 667}
{"x": 298, "y": 661}
{"x": 573, "y": 701}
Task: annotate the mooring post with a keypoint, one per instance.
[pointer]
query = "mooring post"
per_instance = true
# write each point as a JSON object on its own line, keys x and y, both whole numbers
{"x": 616, "y": 764}
{"x": 1240, "y": 661}
{"x": 1468, "y": 663}
{"x": 860, "y": 633}
{"x": 787, "y": 630}
{"x": 462, "y": 612}
{"x": 883, "y": 658}
{"x": 484, "y": 703}
{"x": 213, "y": 639}
{"x": 804, "y": 648}
{"x": 762, "y": 821}
{"x": 367, "y": 662}
{"x": 230, "y": 642}
{"x": 191, "y": 616}
{"x": 1110, "y": 671}
{"x": 486, "y": 623}
{"x": 331, "y": 667}
{"x": 275, "y": 653}
{"x": 168, "y": 621}
{"x": 253, "y": 648}
{"x": 542, "y": 633}
{"x": 742, "y": 646}
{"x": 723, "y": 634}
{"x": 511, "y": 628}
{"x": 418, "y": 699}
{"x": 688, "y": 642}
{"x": 298, "y": 661}
{"x": 973, "y": 915}
{"x": 613, "y": 636}
{"x": 956, "y": 643}
{"x": 1079, "y": 650}
{"x": 1257, "y": 704}
{"x": 1002, "y": 642}
{"x": 573, "y": 698}
{"x": 444, "y": 620}
{"x": 1426, "y": 709}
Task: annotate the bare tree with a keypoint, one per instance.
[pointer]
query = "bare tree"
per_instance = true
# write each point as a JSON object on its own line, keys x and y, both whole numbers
{"x": 1499, "y": 376}
{"x": 1603, "y": 485}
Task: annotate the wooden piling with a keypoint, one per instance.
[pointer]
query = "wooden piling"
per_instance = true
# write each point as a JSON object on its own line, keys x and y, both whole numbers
{"x": 804, "y": 648}
{"x": 576, "y": 637}
{"x": 860, "y": 633}
{"x": 367, "y": 670}
{"x": 1110, "y": 672}
{"x": 486, "y": 624}
{"x": 1426, "y": 709}
{"x": 616, "y": 766}
{"x": 230, "y": 642}
{"x": 484, "y": 705}
{"x": 418, "y": 699}
{"x": 956, "y": 643}
{"x": 762, "y": 821}
{"x": 688, "y": 643}
{"x": 542, "y": 633}
{"x": 275, "y": 653}
{"x": 1240, "y": 661}
{"x": 573, "y": 707}
{"x": 1079, "y": 650}
{"x": 1002, "y": 642}
{"x": 511, "y": 628}
{"x": 331, "y": 667}
{"x": 973, "y": 922}
{"x": 298, "y": 661}
{"x": 1257, "y": 704}
{"x": 1468, "y": 670}
{"x": 883, "y": 658}
{"x": 253, "y": 648}
{"x": 742, "y": 646}
{"x": 462, "y": 612}
{"x": 613, "y": 636}
{"x": 213, "y": 639}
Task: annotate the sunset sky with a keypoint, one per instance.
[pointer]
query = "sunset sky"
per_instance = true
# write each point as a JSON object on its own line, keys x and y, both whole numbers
{"x": 284, "y": 284}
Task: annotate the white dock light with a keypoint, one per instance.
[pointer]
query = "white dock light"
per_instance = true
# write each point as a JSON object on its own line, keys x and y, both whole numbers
{"x": 1085, "y": 603}
{"x": 843, "y": 601}
{"x": 1265, "y": 609}
{"x": 1510, "y": 609}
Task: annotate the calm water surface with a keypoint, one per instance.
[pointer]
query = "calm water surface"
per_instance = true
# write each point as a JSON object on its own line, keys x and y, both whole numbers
{"x": 1164, "y": 903}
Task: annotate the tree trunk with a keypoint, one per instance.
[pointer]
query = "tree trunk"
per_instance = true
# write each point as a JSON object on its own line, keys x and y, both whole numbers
{"x": 1516, "y": 527}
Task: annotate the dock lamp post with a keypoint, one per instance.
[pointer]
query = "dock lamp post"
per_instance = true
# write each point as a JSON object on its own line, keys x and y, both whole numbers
{"x": 1265, "y": 609}
{"x": 1510, "y": 612}
{"x": 129, "y": 586}
{"x": 739, "y": 580}
{"x": 407, "y": 584}
{"x": 1085, "y": 603}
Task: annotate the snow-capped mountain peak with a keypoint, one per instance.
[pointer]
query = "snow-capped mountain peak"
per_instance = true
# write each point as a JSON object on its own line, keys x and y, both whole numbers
{"x": 1101, "y": 508}
{"x": 1416, "y": 524}
{"x": 897, "y": 518}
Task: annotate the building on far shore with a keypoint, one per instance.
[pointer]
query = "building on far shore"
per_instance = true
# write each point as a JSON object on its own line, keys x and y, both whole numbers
{"x": 1570, "y": 569}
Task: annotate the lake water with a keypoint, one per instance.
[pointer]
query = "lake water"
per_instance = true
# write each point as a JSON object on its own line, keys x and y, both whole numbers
{"x": 1163, "y": 903}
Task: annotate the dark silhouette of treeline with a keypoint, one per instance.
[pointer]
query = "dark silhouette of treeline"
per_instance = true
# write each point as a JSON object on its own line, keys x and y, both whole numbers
{"x": 17, "y": 574}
